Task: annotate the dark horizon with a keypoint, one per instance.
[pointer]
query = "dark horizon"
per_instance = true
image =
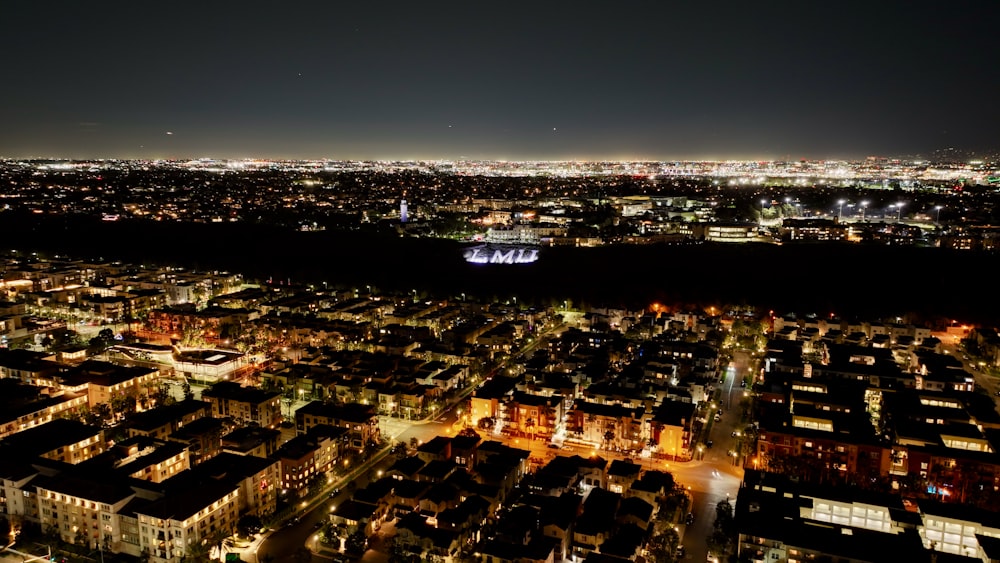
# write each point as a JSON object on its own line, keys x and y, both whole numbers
{"x": 510, "y": 81}
{"x": 799, "y": 279}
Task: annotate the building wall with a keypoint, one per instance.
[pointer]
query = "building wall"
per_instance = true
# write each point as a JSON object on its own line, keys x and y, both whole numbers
{"x": 169, "y": 540}
{"x": 80, "y": 451}
{"x": 30, "y": 420}
{"x": 77, "y": 518}
{"x": 259, "y": 492}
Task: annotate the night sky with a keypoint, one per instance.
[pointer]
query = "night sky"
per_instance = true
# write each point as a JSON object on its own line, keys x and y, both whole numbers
{"x": 504, "y": 80}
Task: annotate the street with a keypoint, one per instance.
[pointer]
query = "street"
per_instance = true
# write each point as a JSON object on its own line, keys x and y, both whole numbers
{"x": 711, "y": 477}
{"x": 951, "y": 345}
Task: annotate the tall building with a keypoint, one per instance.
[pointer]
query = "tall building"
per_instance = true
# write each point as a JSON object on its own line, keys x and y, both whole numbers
{"x": 402, "y": 211}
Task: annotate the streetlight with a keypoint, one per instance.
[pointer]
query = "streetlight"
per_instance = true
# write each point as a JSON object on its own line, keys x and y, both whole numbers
{"x": 864, "y": 204}
{"x": 762, "y": 202}
{"x": 937, "y": 218}
{"x": 840, "y": 212}
{"x": 899, "y": 209}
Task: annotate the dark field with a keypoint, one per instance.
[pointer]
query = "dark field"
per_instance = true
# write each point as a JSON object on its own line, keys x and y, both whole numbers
{"x": 846, "y": 279}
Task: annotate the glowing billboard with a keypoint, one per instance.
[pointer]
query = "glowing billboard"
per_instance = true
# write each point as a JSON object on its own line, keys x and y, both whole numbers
{"x": 501, "y": 254}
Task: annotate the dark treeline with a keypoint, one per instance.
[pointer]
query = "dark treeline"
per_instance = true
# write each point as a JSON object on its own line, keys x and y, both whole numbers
{"x": 843, "y": 279}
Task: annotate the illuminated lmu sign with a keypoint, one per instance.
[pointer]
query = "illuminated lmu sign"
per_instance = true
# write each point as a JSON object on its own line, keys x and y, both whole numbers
{"x": 504, "y": 255}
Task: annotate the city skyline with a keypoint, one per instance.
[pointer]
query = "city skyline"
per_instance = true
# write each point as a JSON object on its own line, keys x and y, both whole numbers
{"x": 482, "y": 81}
{"x": 468, "y": 282}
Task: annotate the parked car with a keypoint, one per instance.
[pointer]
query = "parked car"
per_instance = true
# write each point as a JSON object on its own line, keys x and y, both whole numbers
{"x": 689, "y": 519}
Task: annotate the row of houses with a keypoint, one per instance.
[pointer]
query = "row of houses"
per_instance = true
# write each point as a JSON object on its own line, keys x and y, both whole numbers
{"x": 462, "y": 495}
{"x": 174, "y": 484}
{"x": 397, "y": 385}
{"x": 138, "y": 495}
{"x": 791, "y": 327}
{"x": 593, "y": 388}
{"x": 176, "y": 285}
{"x": 859, "y": 417}
{"x": 49, "y": 389}
{"x": 781, "y": 520}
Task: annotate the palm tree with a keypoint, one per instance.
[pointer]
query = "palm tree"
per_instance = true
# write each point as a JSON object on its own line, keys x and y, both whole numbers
{"x": 196, "y": 552}
{"x": 609, "y": 436}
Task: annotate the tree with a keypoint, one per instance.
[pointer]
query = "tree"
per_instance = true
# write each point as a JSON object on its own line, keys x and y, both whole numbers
{"x": 65, "y": 338}
{"x": 100, "y": 415}
{"x": 724, "y": 517}
{"x": 122, "y": 405}
{"x": 162, "y": 395}
{"x": 718, "y": 543}
{"x": 399, "y": 552}
{"x": 103, "y": 339}
{"x": 609, "y": 437}
{"x": 188, "y": 393}
{"x": 668, "y": 482}
{"x": 328, "y": 534}
{"x": 663, "y": 546}
{"x": 721, "y": 539}
{"x": 215, "y": 539}
{"x": 316, "y": 484}
{"x": 248, "y": 525}
{"x": 356, "y": 543}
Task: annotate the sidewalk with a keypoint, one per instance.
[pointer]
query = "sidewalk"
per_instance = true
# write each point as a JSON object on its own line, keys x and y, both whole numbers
{"x": 251, "y": 549}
